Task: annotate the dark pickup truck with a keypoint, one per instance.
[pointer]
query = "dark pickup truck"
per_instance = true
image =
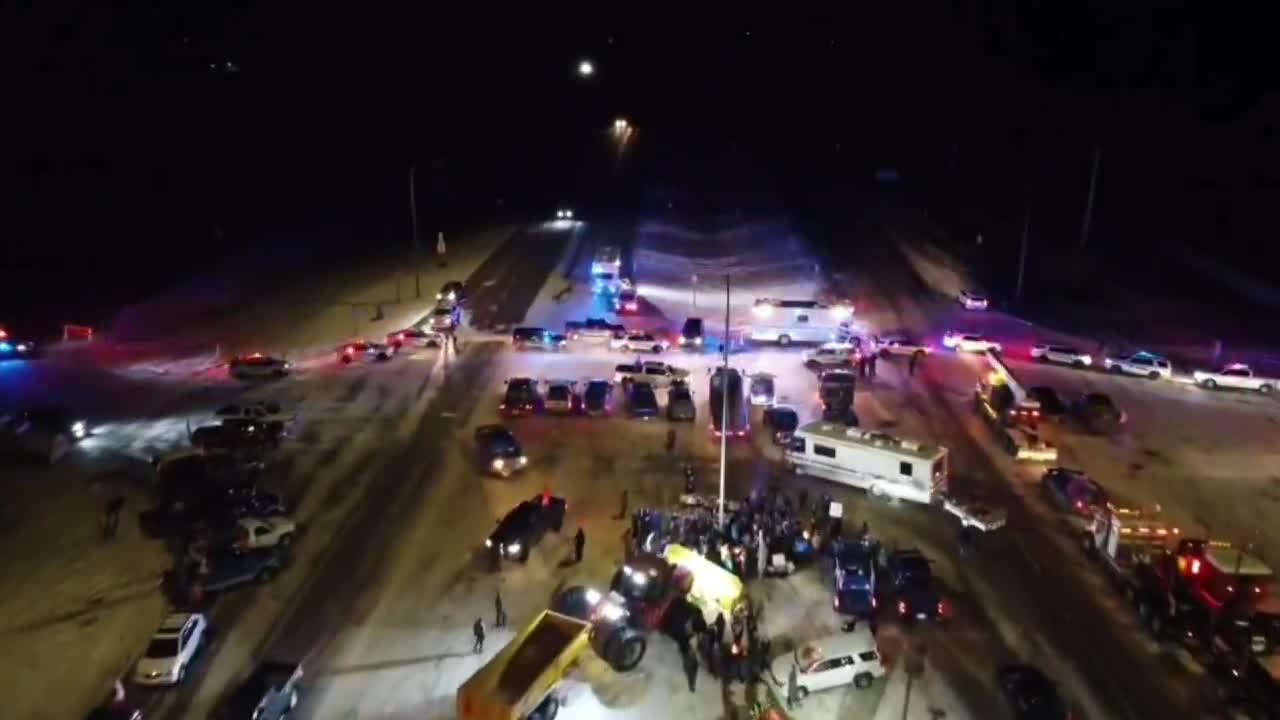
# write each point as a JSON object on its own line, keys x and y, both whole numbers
{"x": 526, "y": 524}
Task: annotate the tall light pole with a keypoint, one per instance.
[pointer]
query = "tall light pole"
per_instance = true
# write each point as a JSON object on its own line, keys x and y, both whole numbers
{"x": 724, "y": 402}
{"x": 1022, "y": 254}
{"x": 413, "y": 239}
{"x": 1088, "y": 206}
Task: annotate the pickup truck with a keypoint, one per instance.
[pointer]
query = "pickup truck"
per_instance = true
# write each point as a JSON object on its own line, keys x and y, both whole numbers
{"x": 655, "y": 373}
{"x": 526, "y": 524}
{"x": 596, "y": 328}
{"x": 1237, "y": 376}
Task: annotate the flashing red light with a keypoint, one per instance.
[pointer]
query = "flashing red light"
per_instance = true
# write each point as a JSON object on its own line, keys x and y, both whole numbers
{"x": 632, "y": 306}
{"x": 255, "y": 355}
{"x": 348, "y": 350}
{"x": 902, "y": 607}
{"x": 1079, "y": 504}
{"x": 400, "y": 336}
{"x": 4, "y": 334}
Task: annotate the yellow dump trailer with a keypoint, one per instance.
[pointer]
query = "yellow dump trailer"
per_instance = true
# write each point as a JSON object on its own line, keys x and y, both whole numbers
{"x": 519, "y": 679}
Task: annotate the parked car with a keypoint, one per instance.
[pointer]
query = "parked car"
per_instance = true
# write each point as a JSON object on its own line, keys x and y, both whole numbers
{"x": 1236, "y": 376}
{"x": 642, "y": 402}
{"x": 270, "y": 692}
{"x": 914, "y": 587}
{"x": 562, "y": 398}
{"x": 415, "y": 337}
{"x": 1098, "y": 413}
{"x": 228, "y": 569}
{"x": 598, "y": 398}
{"x": 363, "y": 350}
{"x": 521, "y": 398}
{"x": 833, "y": 354}
{"x": 1073, "y": 491}
{"x": 639, "y": 342}
{"x": 782, "y": 422}
{"x": 165, "y": 661}
{"x": 900, "y": 344}
{"x": 834, "y": 661}
{"x": 592, "y": 327}
{"x": 262, "y": 411}
{"x": 1030, "y": 694}
{"x": 253, "y": 533}
{"x": 680, "y": 405}
{"x": 445, "y": 319}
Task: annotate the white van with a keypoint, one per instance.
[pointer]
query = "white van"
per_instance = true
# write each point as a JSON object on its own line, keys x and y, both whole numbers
{"x": 883, "y": 465}
{"x": 803, "y": 321}
{"x": 832, "y": 662}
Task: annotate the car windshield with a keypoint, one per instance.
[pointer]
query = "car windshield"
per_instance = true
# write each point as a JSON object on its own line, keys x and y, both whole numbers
{"x": 913, "y": 567}
{"x": 163, "y": 647}
{"x": 692, "y": 328}
{"x": 762, "y": 385}
{"x": 558, "y": 392}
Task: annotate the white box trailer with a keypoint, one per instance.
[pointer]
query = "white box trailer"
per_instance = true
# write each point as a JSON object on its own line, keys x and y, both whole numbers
{"x": 804, "y": 321}
{"x": 879, "y": 463}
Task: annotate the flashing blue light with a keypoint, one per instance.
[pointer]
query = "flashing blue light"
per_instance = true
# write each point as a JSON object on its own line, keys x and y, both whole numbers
{"x": 5, "y": 347}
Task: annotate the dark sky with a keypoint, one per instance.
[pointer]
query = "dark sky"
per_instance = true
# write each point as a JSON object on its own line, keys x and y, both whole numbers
{"x": 144, "y": 130}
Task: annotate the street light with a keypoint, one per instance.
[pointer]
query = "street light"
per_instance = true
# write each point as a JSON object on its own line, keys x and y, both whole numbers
{"x": 586, "y": 68}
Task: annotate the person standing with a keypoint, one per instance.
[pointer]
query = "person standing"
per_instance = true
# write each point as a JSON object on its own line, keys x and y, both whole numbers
{"x": 499, "y": 614}
{"x": 871, "y": 365}
{"x": 622, "y": 507}
{"x": 913, "y": 363}
{"x": 690, "y": 667}
{"x": 579, "y": 542}
{"x": 719, "y": 629}
{"x": 478, "y": 631}
{"x": 111, "y": 519}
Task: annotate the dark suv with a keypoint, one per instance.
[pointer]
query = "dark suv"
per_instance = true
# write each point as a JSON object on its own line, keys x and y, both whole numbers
{"x": 498, "y": 451}
{"x": 525, "y": 525}
{"x": 691, "y": 337}
{"x": 531, "y": 338}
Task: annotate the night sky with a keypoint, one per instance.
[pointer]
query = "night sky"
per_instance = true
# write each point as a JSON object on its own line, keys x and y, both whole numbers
{"x": 157, "y": 142}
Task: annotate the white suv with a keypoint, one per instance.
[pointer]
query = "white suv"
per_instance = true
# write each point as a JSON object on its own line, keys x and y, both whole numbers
{"x": 832, "y": 355}
{"x": 969, "y": 342}
{"x": 1062, "y": 354}
{"x": 171, "y": 650}
{"x": 1148, "y": 365}
{"x": 833, "y": 662}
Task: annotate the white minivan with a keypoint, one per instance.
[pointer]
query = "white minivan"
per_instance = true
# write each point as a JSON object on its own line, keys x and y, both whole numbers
{"x": 832, "y": 661}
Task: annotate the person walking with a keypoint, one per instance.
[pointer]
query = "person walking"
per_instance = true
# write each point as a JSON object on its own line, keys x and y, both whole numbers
{"x": 499, "y": 614}
{"x": 111, "y": 518}
{"x": 690, "y": 667}
{"x": 871, "y": 364}
{"x": 579, "y": 542}
{"x": 478, "y": 631}
{"x": 793, "y": 689}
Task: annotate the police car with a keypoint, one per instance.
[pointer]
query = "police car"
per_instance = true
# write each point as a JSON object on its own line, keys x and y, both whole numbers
{"x": 257, "y": 365}
{"x": 1061, "y": 354}
{"x": 14, "y": 348}
{"x": 1146, "y": 364}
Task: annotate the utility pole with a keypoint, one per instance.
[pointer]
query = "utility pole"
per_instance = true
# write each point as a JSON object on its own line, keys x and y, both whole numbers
{"x": 1022, "y": 255}
{"x": 1088, "y": 206}
{"x": 724, "y": 403}
{"x": 414, "y": 244}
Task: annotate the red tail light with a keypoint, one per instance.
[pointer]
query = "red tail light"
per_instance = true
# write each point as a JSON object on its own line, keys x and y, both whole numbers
{"x": 400, "y": 336}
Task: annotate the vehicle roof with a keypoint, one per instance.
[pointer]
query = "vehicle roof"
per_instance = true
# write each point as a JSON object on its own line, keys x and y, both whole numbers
{"x": 881, "y": 441}
{"x": 845, "y": 643}
{"x": 1235, "y": 561}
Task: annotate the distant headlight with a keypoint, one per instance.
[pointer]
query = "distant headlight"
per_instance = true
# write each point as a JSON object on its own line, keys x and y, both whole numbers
{"x": 79, "y": 429}
{"x": 523, "y": 460}
{"x": 1086, "y": 359}
{"x": 697, "y": 341}
{"x": 513, "y": 548}
{"x": 498, "y": 463}
{"x": 453, "y": 295}
{"x": 488, "y": 543}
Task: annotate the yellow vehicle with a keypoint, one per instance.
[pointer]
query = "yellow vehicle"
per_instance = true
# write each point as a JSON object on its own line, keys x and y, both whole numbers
{"x": 714, "y": 590}
{"x": 518, "y": 682}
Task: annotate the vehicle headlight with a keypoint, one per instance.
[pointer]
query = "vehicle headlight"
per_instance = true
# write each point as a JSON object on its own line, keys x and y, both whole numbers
{"x": 513, "y": 547}
{"x": 498, "y": 463}
{"x": 1086, "y": 359}
{"x": 523, "y": 460}
{"x": 697, "y": 341}
{"x": 682, "y": 340}
{"x": 439, "y": 296}
{"x": 488, "y": 543}
{"x": 79, "y": 429}
{"x": 453, "y": 296}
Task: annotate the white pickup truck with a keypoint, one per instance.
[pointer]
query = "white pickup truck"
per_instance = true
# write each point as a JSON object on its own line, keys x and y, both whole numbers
{"x": 657, "y": 374}
{"x": 1236, "y": 375}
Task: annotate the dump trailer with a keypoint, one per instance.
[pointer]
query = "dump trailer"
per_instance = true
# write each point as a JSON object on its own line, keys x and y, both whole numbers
{"x": 519, "y": 682}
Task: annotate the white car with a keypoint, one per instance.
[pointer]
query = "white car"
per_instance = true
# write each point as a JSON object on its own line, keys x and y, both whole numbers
{"x": 835, "y": 661}
{"x": 971, "y": 301}
{"x": 263, "y": 411}
{"x": 254, "y": 533}
{"x": 1236, "y": 375}
{"x": 657, "y": 374}
{"x": 175, "y": 644}
{"x": 257, "y": 365}
{"x": 415, "y": 337}
{"x": 1061, "y": 354}
{"x": 899, "y": 344}
{"x": 1148, "y": 365}
{"x": 969, "y": 342}
{"x": 561, "y": 397}
{"x": 832, "y": 355}
{"x": 639, "y": 342}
